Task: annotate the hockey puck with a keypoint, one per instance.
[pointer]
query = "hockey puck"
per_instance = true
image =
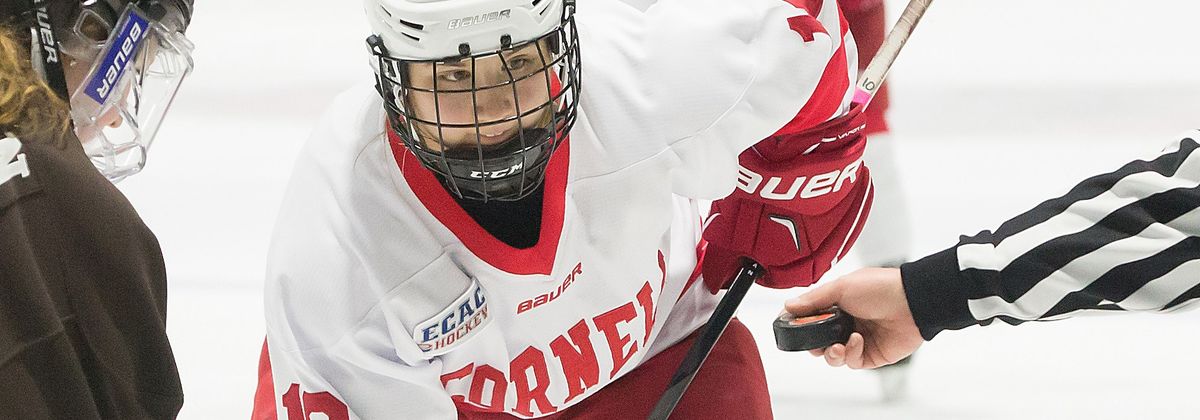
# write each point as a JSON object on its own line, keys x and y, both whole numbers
{"x": 814, "y": 331}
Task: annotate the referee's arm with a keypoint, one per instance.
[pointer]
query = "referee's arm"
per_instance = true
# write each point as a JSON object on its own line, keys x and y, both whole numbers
{"x": 1126, "y": 240}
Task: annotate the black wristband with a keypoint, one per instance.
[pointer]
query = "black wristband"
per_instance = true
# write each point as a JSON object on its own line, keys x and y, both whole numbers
{"x": 936, "y": 293}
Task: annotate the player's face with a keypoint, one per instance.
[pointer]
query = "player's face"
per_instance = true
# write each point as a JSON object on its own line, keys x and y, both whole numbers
{"x": 487, "y": 117}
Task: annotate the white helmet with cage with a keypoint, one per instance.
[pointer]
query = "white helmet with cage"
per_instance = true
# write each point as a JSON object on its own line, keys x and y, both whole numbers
{"x": 481, "y": 91}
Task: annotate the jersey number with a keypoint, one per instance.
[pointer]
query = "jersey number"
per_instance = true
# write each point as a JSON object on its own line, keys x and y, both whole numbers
{"x": 12, "y": 163}
{"x": 302, "y": 408}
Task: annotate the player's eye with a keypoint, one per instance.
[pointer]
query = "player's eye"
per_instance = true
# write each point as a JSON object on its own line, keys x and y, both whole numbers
{"x": 518, "y": 63}
{"x": 455, "y": 76}
{"x": 91, "y": 27}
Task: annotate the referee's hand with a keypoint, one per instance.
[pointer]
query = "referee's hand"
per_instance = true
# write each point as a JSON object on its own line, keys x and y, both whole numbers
{"x": 884, "y": 327}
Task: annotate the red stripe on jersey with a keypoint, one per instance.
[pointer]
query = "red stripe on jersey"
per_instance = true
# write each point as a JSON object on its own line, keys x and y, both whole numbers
{"x": 264, "y": 396}
{"x": 826, "y": 100}
{"x": 538, "y": 259}
{"x": 812, "y": 6}
{"x": 701, "y": 249}
{"x": 806, "y": 26}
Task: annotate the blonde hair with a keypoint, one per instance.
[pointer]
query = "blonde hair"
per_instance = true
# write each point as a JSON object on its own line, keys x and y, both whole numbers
{"x": 29, "y": 108}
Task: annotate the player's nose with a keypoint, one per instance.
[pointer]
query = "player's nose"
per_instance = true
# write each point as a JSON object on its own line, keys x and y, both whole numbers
{"x": 496, "y": 104}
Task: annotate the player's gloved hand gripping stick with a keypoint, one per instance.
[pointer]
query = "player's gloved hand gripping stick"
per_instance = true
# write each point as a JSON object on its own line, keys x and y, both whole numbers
{"x": 791, "y": 334}
{"x": 835, "y": 326}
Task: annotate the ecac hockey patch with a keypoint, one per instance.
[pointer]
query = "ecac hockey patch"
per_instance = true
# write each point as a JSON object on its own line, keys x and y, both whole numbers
{"x": 453, "y": 325}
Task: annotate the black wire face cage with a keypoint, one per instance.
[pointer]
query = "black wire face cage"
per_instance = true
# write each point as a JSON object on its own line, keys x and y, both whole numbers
{"x": 482, "y": 167}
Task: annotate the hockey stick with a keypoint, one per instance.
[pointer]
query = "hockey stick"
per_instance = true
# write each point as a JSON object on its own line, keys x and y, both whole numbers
{"x": 720, "y": 318}
{"x": 872, "y": 78}
{"x": 868, "y": 85}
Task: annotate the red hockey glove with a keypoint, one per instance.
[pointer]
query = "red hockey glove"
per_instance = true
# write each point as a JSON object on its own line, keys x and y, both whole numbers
{"x": 800, "y": 203}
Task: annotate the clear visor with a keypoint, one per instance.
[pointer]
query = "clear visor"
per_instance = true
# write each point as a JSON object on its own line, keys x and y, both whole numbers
{"x": 118, "y": 106}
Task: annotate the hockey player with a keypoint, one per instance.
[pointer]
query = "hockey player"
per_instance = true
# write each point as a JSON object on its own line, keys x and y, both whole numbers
{"x": 83, "y": 86}
{"x": 507, "y": 223}
{"x": 1126, "y": 240}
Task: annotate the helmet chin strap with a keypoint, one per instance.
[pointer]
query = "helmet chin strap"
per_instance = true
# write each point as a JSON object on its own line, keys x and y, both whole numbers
{"x": 45, "y": 53}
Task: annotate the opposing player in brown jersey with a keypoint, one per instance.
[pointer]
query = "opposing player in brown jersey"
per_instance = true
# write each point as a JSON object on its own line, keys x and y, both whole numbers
{"x": 83, "y": 86}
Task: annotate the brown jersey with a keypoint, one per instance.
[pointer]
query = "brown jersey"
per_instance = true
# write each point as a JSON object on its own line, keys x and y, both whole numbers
{"x": 82, "y": 294}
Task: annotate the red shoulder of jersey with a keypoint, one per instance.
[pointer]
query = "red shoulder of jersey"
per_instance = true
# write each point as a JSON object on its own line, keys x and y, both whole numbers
{"x": 826, "y": 101}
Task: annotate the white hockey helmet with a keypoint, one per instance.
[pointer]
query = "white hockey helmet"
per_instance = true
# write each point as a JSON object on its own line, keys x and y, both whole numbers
{"x": 435, "y": 29}
{"x": 436, "y": 34}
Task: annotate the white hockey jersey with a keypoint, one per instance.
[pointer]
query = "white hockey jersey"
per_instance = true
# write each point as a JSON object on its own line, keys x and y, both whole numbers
{"x": 385, "y": 300}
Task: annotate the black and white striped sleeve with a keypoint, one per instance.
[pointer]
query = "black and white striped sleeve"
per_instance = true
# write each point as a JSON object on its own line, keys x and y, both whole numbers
{"x": 1128, "y": 240}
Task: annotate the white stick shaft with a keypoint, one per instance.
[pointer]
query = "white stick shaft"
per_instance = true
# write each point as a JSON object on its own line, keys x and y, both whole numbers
{"x": 872, "y": 78}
